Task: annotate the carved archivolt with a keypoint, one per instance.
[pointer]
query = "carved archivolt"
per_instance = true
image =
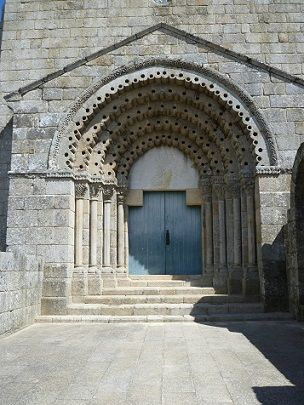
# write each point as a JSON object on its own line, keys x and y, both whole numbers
{"x": 158, "y": 106}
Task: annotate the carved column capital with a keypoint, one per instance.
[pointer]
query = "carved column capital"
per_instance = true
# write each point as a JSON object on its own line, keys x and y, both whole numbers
{"x": 206, "y": 188}
{"x": 248, "y": 184}
{"x": 81, "y": 190}
{"x": 121, "y": 195}
{"x": 95, "y": 189}
{"x": 232, "y": 186}
{"x": 108, "y": 191}
{"x": 218, "y": 187}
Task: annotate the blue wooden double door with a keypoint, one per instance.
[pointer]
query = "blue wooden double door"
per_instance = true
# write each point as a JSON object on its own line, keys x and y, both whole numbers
{"x": 165, "y": 235}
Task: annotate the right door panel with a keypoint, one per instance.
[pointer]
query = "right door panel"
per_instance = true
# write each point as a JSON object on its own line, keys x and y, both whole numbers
{"x": 183, "y": 235}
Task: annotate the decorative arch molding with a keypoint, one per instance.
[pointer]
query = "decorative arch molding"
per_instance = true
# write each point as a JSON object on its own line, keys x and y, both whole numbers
{"x": 183, "y": 106}
{"x": 216, "y": 86}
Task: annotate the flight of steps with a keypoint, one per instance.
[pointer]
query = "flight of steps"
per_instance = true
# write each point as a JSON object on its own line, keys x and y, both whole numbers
{"x": 162, "y": 299}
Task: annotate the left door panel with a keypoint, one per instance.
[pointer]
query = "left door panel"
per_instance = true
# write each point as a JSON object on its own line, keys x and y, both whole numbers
{"x": 146, "y": 236}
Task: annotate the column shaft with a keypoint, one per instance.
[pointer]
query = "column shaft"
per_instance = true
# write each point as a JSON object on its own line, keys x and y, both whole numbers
{"x": 251, "y": 231}
{"x": 107, "y": 234}
{"x": 222, "y": 233}
{"x": 78, "y": 231}
{"x": 208, "y": 234}
{"x": 237, "y": 256}
{"x": 244, "y": 230}
{"x": 120, "y": 234}
{"x": 93, "y": 231}
{"x": 215, "y": 231}
{"x": 229, "y": 228}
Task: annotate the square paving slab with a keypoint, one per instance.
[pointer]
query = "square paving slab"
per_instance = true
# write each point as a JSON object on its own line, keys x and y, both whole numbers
{"x": 169, "y": 363}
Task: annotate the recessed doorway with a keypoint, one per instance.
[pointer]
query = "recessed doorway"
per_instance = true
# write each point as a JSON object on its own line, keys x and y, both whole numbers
{"x": 165, "y": 235}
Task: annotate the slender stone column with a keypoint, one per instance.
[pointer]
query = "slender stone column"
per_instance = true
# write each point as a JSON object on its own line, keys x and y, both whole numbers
{"x": 126, "y": 237}
{"x": 222, "y": 232}
{"x": 251, "y": 277}
{"x": 229, "y": 226}
{"x": 219, "y": 219}
{"x": 251, "y": 230}
{"x": 80, "y": 194}
{"x": 215, "y": 228}
{"x": 234, "y": 235}
{"x": 207, "y": 230}
{"x": 95, "y": 190}
{"x": 121, "y": 228}
{"x": 107, "y": 198}
{"x": 244, "y": 232}
{"x": 237, "y": 254}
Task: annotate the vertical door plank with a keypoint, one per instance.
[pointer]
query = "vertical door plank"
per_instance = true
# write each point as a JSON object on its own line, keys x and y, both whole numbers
{"x": 146, "y": 236}
{"x": 184, "y": 253}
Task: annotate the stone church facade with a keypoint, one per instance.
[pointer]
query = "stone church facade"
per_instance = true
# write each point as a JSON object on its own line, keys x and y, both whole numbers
{"x": 122, "y": 119}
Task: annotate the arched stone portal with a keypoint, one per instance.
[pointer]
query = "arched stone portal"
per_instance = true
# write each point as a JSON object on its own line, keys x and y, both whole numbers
{"x": 166, "y": 107}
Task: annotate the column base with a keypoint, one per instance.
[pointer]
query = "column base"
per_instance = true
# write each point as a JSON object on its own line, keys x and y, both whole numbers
{"x": 94, "y": 281}
{"x": 251, "y": 282}
{"x": 207, "y": 279}
{"x": 220, "y": 281}
{"x": 79, "y": 282}
{"x": 235, "y": 280}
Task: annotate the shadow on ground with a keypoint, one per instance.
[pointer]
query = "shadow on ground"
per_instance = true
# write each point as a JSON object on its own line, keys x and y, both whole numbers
{"x": 285, "y": 351}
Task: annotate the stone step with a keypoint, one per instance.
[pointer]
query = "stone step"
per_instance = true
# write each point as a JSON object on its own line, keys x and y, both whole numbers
{"x": 163, "y": 309}
{"x": 153, "y": 283}
{"x": 160, "y": 281}
{"x": 270, "y": 316}
{"x": 158, "y": 291}
{"x": 164, "y": 277}
{"x": 157, "y": 299}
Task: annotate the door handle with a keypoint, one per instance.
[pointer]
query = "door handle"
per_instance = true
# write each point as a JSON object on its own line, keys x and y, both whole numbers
{"x": 167, "y": 237}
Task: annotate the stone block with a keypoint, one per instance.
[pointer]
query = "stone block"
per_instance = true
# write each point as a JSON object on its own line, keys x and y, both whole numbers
{"x": 59, "y": 187}
{"x": 194, "y": 196}
{"x": 54, "y": 305}
{"x": 135, "y": 198}
{"x": 55, "y": 287}
{"x": 61, "y": 254}
{"x": 277, "y": 183}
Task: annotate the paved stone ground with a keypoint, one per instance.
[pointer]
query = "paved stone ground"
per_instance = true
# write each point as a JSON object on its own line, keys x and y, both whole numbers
{"x": 172, "y": 364}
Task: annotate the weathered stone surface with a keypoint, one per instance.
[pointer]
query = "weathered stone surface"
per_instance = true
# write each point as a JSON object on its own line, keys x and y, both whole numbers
{"x": 20, "y": 290}
{"x": 250, "y": 115}
{"x": 168, "y": 363}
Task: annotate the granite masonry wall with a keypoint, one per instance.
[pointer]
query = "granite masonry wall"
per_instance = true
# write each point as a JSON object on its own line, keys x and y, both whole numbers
{"x": 20, "y": 290}
{"x": 42, "y": 37}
